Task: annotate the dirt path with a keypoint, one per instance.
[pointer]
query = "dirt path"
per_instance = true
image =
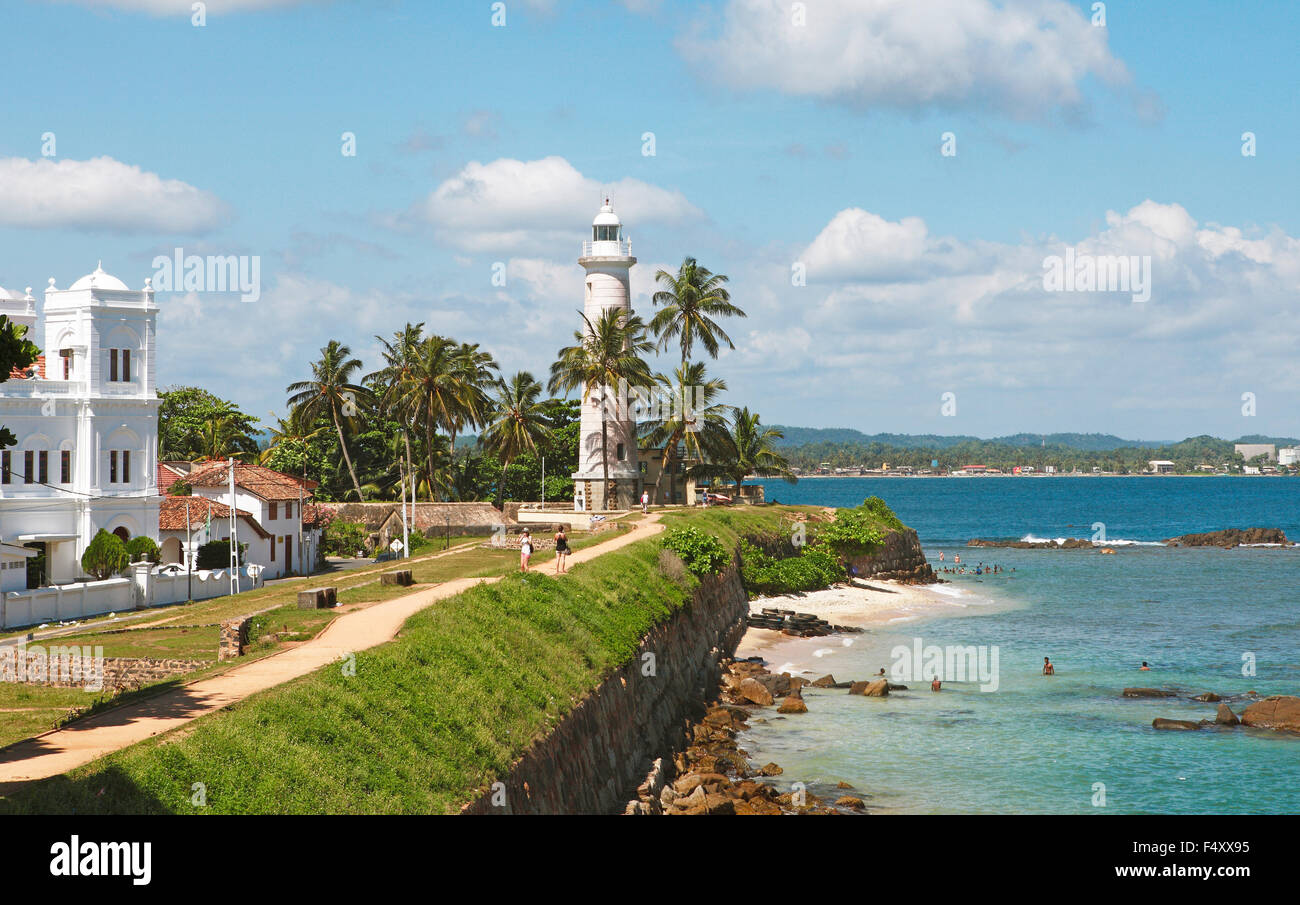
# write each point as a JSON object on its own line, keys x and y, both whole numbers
{"x": 64, "y": 749}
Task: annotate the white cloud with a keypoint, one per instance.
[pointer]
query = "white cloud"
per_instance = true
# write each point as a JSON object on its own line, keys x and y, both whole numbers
{"x": 513, "y": 206}
{"x": 102, "y": 193}
{"x": 1025, "y": 58}
{"x": 891, "y": 306}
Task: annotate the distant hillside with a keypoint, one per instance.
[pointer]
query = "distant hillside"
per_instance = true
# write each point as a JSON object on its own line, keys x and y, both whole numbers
{"x": 806, "y": 436}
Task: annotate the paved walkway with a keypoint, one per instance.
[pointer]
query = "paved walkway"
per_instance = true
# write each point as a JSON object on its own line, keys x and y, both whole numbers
{"x": 65, "y": 749}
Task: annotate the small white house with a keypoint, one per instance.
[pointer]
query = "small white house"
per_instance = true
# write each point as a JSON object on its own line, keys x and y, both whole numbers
{"x": 1160, "y": 466}
{"x": 281, "y": 536}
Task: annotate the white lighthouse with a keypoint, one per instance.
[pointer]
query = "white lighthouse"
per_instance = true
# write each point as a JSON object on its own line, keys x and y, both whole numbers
{"x": 607, "y": 259}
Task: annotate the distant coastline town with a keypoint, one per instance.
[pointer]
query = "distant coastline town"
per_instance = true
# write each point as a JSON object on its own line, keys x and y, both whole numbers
{"x": 842, "y": 454}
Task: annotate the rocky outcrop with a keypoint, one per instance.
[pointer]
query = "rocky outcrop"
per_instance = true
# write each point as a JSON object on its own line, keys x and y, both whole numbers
{"x": 1230, "y": 537}
{"x": 872, "y": 688}
{"x": 1276, "y": 712}
{"x": 1149, "y": 693}
{"x": 1225, "y": 716}
{"x": 1159, "y": 723}
{"x": 899, "y": 557}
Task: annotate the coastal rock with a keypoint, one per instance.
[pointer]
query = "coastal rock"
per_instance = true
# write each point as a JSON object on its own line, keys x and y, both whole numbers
{"x": 1067, "y": 543}
{"x": 1107, "y": 550}
{"x": 754, "y": 691}
{"x": 871, "y": 688}
{"x": 1149, "y": 693}
{"x": 843, "y": 785}
{"x": 1208, "y": 698}
{"x": 1225, "y": 716}
{"x": 826, "y": 681}
{"x": 776, "y": 685}
{"x": 1230, "y": 537}
{"x": 1159, "y": 723}
{"x": 848, "y": 801}
{"x": 770, "y": 770}
{"x": 792, "y": 705}
{"x": 1275, "y": 712}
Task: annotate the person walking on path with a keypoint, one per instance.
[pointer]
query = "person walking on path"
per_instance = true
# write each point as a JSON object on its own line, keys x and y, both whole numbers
{"x": 561, "y": 550}
{"x": 525, "y": 550}
{"x": 645, "y": 502}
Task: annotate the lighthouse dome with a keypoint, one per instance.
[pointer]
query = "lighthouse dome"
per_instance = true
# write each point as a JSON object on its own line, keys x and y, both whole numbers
{"x": 606, "y": 217}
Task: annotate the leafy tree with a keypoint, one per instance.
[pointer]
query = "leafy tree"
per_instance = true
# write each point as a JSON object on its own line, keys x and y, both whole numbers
{"x": 142, "y": 547}
{"x": 518, "y": 424}
{"x": 193, "y": 424}
{"x": 332, "y": 391}
{"x": 694, "y": 419}
{"x": 605, "y": 358}
{"x": 702, "y": 553}
{"x": 105, "y": 556}
{"x": 16, "y": 353}
{"x": 343, "y": 538}
{"x": 748, "y": 448}
{"x": 692, "y": 300}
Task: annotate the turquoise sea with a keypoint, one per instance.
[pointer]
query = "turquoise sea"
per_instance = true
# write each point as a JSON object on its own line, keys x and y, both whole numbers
{"x": 1055, "y": 745}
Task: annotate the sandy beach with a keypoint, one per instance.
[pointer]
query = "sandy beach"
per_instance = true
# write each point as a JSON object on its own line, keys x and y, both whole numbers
{"x": 866, "y": 605}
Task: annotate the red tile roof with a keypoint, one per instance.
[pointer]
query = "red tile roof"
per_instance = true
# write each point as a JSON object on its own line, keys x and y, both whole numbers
{"x": 167, "y": 476}
{"x": 264, "y": 482}
{"x": 21, "y": 373}
{"x": 171, "y": 514}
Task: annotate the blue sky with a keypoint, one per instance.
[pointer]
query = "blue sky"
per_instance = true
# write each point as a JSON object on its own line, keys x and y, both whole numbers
{"x": 775, "y": 143}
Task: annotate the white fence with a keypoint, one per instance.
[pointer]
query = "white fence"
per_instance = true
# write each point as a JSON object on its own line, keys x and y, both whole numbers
{"x": 143, "y": 589}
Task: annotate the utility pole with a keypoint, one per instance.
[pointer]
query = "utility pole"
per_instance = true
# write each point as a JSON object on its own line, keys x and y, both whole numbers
{"x": 189, "y": 542}
{"x": 234, "y": 539}
{"x": 543, "y": 485}
{"x": 406, "y": 533}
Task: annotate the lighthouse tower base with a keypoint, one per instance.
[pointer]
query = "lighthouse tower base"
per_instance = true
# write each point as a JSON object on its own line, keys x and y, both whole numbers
{"x": 591, "y": 494}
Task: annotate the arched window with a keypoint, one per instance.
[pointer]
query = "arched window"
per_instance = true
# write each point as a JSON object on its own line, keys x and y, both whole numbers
{"x": 122, "y": 533}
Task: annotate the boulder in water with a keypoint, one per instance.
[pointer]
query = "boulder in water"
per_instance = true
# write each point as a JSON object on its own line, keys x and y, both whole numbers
{"x": 1225, "y": 716}
{"x": 1159, "y": 723}
{"x": 1276, "y": 712}
{"x": 1149, "y": 693}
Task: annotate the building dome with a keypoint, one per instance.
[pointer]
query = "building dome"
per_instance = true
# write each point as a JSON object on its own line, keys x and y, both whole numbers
{"x": 99, "y": 280}
{"x": 8, "y": 294}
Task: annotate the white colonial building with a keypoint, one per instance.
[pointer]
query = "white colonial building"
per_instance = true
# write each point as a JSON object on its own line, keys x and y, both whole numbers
{"x": 86, "y": 420}
{"x": 608, "y": 261}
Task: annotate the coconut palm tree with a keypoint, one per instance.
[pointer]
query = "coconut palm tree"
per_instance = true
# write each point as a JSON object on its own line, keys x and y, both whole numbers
{"x": 519, "y": 424}
{"x": 690, "y": 302}
{"x": 476, "y": 374}
{"x": 392, "y": 383}
{"x": 433, "y": 393}
{"x": 607, "y": 354}
{"x": 220, "y": 438}
{"x": 749, "y": 448}
{"x": 692, "y": 418}
{"x": 286, "y": 431}
{"x": 331, "y": 391}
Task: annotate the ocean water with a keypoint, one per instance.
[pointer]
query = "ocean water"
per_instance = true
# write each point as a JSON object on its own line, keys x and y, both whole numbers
{"x": 1067, "y": 743}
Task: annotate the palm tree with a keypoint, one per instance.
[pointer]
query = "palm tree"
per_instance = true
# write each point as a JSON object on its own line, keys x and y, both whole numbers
{"x": 692, "y": 300}
{"x": 607, "y": 354}
{"x": 692, "y": 418}
{"x": 749, "y": 448}
{"x": 519, "y": 424}
{"x": 392, "y": 383}
{"x": 332, "y": 391}
{"x": 220, "y": 438}
{"x": 476, "y": 374}
{"x": 432, "y": 394}
{"x": 286, "y": 431}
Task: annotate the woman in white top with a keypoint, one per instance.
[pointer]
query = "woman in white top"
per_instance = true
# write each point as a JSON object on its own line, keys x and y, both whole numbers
{"x": 525, "y": 549}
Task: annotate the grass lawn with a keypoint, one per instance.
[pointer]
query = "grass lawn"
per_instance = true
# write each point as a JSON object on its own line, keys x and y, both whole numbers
{"x": 190, "y": 632}
{"x": 427, "y": 720}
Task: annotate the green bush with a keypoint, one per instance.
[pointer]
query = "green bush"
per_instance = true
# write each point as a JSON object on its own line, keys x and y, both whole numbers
{"x": 141, "y": 548}
{"x": 105, "y": 556}
{"x": 880, "y": 509}
{"x": 216, "y": 554}
{"x": 702, "y": 553}
{"x": 344, "y": 538}
{"x": 853, "y": 533}
{"x": 815, "y": 568}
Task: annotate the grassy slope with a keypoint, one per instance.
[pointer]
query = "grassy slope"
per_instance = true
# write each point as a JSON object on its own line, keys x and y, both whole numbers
{"x": 427, "y": 720}
{"x": 189, "y": 631}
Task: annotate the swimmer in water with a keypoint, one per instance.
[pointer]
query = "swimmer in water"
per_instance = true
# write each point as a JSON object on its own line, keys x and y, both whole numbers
{"x": 1048, "y": 668}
